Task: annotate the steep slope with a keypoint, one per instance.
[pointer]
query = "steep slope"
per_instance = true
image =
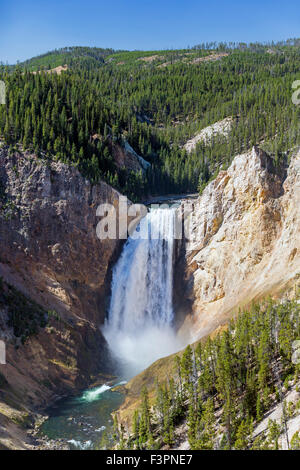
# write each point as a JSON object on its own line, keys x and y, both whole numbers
{"x": 51, "y": 262}
{"x": 157, "y": 109}
{"x": 245, "y": 239}
{"x": 208, "y": 133}
{"x": 245, "y": 247}
{"x": 222, "y": 392}
{"x": 126, "y": 158}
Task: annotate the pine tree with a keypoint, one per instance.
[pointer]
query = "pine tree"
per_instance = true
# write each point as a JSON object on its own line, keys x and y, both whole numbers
{"x": 274, "y": 432}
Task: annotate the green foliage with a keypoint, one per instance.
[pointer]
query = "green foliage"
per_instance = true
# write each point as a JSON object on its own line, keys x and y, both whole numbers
{"x": 295, "y": 442}
{"x": 243, "y": 435}
{"x": 156, "y": 108}
{"x": 7, "y": 206}
{"x": 88, "y": 57}
{"x": 273, "y": 434}
{"x": 226, "y": 384}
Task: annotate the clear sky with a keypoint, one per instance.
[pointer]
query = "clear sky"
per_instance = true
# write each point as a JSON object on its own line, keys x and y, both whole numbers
{"x": 32, "y": 27}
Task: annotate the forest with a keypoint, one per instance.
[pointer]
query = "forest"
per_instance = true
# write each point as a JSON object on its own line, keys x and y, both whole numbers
{"x": 156, "y": 105}
{"x": 222, "y": 387}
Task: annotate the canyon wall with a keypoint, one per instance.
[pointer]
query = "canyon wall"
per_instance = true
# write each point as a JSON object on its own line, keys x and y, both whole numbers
{"x": 245, "y": 242}
{"x": 50, "y": 254}
{"x": 244, "y": 246}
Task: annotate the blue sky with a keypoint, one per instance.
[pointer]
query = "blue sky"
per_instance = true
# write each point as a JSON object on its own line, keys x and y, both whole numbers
{"x": 31, "y": 27}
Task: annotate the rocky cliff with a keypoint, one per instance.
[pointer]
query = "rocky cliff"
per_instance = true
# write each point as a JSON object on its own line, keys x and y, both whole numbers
{"x": 245, "y": 239}
{"x": 244, "y": 245}
{"x": 51, "y": 262}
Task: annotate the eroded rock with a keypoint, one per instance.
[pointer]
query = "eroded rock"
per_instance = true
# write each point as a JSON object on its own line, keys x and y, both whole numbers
{"x": 245, "y": 239}
{"x": 50, "y": 252}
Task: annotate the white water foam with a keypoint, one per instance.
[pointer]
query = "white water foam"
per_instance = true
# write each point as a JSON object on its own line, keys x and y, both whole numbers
{"x": 82, "y": 445}
{"x": 139, "y": 328}
{"x": 100, "y": 429}
{"x": 93, "y": 394}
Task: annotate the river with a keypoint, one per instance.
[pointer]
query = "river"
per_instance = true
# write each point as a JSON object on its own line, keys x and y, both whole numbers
{"x": 139, "y": 328}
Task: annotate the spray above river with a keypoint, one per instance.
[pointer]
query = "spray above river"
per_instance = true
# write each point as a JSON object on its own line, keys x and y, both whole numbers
{"x": 140, "y": 324}
{"x": 139, "y": 329}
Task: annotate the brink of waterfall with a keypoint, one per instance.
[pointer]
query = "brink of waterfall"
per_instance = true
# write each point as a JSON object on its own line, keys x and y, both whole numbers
{"x": 140, "y": 324}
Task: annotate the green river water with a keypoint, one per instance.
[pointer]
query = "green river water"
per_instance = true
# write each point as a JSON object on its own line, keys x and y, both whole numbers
{"x": 80, "y": 421}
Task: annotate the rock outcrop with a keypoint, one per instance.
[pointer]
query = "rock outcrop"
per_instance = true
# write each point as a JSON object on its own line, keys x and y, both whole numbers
{"x": 220, "y": 128}
{"x": 49, "y": 251}
{"x": 125, "y": 157}
{"x": 245, "y": 239}
{"x": 244, "y": 245}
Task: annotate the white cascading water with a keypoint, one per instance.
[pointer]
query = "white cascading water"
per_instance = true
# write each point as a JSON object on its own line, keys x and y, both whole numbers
{"x": 139, "y": 328}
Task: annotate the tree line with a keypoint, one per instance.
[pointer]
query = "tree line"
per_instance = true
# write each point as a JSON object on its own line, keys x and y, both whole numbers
{"x": 157, "y": 109}
{"x": 222, "y": 387}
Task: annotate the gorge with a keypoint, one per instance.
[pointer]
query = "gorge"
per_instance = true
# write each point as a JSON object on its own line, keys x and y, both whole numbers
{"x": 184, "y": 334}
{"x": 140, "y": 287}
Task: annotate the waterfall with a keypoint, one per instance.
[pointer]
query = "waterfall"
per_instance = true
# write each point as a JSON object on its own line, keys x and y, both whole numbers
{"x": 139, "y": 328}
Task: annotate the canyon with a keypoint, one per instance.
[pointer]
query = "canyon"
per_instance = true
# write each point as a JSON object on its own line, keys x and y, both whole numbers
{"x": 50, "y": 253}
{"x": 244, "y": 246}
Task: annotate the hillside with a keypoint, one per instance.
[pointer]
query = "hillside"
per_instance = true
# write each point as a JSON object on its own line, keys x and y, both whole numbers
{"x": 237, "y": 390}
{"x": 242, "y": 245}
{"x": 81, "y": 127}
{"x": 156, "y": 109}
{"x": 70, "y": 56}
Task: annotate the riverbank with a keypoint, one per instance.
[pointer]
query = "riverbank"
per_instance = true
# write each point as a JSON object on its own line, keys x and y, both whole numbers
{"x": 78, "y": 422}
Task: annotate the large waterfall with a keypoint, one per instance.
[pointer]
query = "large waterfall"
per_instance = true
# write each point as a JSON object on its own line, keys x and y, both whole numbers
{"x": 139, "y": 328}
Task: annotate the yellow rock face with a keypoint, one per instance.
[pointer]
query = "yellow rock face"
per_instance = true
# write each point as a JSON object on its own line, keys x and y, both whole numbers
{"x": 246, "y": 243}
